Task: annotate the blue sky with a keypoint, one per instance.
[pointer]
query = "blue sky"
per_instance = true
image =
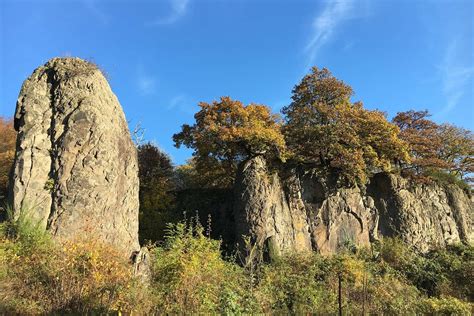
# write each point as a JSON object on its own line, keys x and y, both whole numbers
{"x": 164, "y": 56}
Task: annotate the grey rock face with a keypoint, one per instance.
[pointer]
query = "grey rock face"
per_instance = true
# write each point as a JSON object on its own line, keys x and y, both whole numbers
{"x": 344, "y": 218}
{"x": 425, "y": 216}
{"x": 263, "y": 212}
{"x": 75, "y": 169}
{"x": 302, "y": 211}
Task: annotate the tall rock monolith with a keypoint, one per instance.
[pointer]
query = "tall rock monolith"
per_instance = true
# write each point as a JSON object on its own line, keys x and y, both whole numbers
{"x": 75, "y": 170}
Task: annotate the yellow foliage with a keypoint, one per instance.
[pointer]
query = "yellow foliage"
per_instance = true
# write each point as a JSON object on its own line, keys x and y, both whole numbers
{"x": 325, "y": 128}
{"x": 227, "y": 132}
{"x": 75, "y": 276}
{"x": 7, "y": 152}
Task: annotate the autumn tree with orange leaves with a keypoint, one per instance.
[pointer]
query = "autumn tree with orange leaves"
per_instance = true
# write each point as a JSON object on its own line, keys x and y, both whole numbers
{"x": 7, "y": 153}
{"x": 457, "y": 149}
{"x": 324, "y": 128}
{"x": 227, "y": 132}
{"x": 435, "y": 147}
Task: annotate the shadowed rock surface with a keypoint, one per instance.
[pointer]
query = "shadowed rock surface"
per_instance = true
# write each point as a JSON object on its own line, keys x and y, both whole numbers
{"x": 75, "y": 169}
{"x": 300, "y": 210}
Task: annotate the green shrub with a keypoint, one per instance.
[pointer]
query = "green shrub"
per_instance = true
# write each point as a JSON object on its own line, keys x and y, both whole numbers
{"x": 190, "y": 275}
{"x": 309, "y": 284}
{"x": 445, "y": 178}
{"x": 445, "y": 306}
{"x": 27, "y": 234}
{"x": 455, "y": 267}
{"x": 447, "y": 271}
{"x": 295, "y": 284}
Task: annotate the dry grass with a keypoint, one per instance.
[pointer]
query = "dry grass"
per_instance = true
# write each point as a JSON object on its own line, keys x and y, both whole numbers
{"x": 71, "y": 277}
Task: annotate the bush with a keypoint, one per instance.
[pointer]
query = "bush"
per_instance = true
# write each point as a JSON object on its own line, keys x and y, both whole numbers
{"x": 446, "y": 306}
{"x": 190, "y": 276}
{"x": 445, "y": 178}
{"x": 439, "y": 272}
{"x": 455, "y": 265}
{"x": 309, "y": 284}
{"x": 39, "y": 276}
{"x": 295, "y": 285}
{"x": 24, "y": 234}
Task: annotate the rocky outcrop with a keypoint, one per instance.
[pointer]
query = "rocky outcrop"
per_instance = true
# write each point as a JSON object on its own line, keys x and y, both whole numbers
{"x": 75, "y": 170}
{"x": 263, "y": 212}
{"x": 301, "y": 210}
{"x": 343, "y": 218}
{"x": 425, "y": 216}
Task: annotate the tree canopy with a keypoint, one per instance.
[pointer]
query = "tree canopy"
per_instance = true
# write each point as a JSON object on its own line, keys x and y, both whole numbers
{"x": 435, "y": 147}
{"x": 457, "y": 149}
{"x": 323, "y": 127}
{"x": 227, "y": 132}
{"x": 7, "y": 153}
{"x": 156, "y": 174}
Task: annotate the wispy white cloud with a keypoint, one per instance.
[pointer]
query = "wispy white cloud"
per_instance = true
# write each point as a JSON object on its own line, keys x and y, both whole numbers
{"x": 182, "y": 103}
{"x": 176, "y": 101}
{"x": 349, "y": 45}
{"x": 178, "y": 9}
{"x": 146, "y": 83}
{"x": 91, "y": 5}
{"x": 455, "y": 76}
{"x": 325, "y": 24}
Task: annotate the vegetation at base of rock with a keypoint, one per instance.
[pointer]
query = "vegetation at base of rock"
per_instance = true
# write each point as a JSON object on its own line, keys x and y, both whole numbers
{"x": 190, "y": 275}
{"x": 41, "y": 276}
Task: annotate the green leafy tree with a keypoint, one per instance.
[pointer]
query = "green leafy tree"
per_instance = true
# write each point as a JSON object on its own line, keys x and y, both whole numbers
{"x": 156, "y": 174}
